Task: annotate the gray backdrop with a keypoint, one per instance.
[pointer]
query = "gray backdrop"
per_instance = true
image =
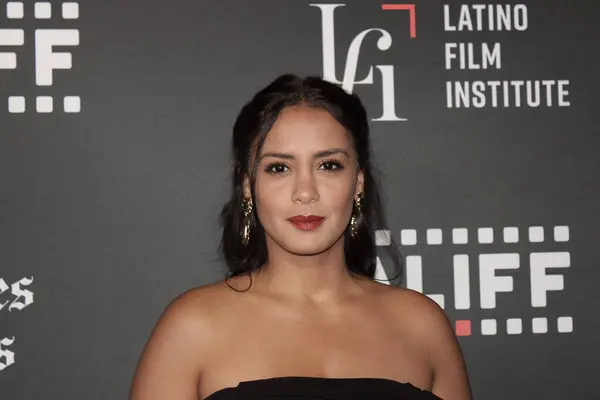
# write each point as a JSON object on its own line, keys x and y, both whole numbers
{"x": 109, "y": 203}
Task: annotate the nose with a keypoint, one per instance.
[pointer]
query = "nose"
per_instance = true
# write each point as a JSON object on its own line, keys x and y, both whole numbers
{"x": 305, "y": 188}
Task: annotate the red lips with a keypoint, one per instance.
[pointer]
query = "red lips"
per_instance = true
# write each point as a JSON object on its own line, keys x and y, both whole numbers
{"x": 306, "y": 222}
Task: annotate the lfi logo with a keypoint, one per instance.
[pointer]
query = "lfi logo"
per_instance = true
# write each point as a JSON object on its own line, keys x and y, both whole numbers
{"x": 46, "y": 60}
{"x": 383, "y": 43}
{"x": 493, "y": 282}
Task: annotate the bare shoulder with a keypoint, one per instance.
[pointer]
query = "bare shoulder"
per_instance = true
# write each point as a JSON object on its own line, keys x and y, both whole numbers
{"x": 201, "y": 301}
{"x": 191, "y": 311}
{"x": 209, "y": 299}
{"x": 428, "y": 326}
{"x": 422, "y": 319}
{"x": 198, "y": 312}
{"x": 177, "y": 349}
{"x": 416, "y": 309}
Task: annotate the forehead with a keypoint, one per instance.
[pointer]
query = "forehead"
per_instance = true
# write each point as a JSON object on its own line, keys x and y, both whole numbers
{"x": 301, "y": 128}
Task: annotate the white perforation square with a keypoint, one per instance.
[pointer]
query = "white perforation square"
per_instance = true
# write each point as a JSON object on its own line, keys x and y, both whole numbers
{"x": 514, "y": 326}
{"x": 44, "y": 104}
{"x": 565, "y": 324}
{"x": 70, "y": 10}
{"x": 460, "y": 236}
{"x": 8, "y": 60}
{"x": 561, "y": 233}
{"x": 488, "y": 327}
{"x": 539, "y": 325}
{"x": 16, "y": 104}
{"x": 434, "y": 236}
{"x": 511, "y": 234}
{"x": 536, "y": 234}
{"x": 12, "y": 37}
{"x": 485, "y": 235}
{"x": 14, "y": 10}
{"x": 408, "y": 237}
{"x": 72, "y": 104}
{"x": 43, "y": 10}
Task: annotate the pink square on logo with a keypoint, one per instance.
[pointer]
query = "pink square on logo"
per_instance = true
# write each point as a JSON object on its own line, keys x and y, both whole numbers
{"x": 463, "y": 328}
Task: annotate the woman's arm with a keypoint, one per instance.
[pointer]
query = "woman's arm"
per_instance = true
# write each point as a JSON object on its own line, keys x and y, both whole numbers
{"x": 450, "y": 373}
{"x": 450, "y": 379}
{"x": 431, "y": 328}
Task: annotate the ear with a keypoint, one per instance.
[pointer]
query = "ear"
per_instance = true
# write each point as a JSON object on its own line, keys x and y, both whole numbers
{"x": 246, "y": 188}
{"x": 360, "y": 183}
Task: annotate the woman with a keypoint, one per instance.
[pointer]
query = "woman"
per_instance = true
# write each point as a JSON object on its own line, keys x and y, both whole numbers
{"x": 300, "y": 315}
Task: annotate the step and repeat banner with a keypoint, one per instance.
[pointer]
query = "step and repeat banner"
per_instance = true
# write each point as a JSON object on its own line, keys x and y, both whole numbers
{"x": 115, "y": 124}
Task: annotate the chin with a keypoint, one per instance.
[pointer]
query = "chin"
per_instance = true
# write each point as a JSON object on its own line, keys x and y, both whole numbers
{"x": 306, "y": 250}
{"x": 307, "y": 243}
{"x": 308, "y": 247}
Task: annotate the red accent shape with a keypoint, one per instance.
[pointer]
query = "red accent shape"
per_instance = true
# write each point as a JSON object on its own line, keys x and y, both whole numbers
{"x": 463, "y": 328}
{"x": 412, "y": 12}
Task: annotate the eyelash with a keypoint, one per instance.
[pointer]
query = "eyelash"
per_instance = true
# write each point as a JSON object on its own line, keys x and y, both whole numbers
{"x": 337, "y": 166}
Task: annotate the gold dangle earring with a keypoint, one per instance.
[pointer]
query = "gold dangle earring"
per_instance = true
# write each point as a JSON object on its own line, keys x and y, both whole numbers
{"x": 247, "y": 205}
{"x": 354, "y": 219}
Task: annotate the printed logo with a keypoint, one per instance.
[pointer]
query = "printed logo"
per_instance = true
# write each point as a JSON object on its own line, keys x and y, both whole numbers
{"x": 494, "y": 281}
{"x": 475, "y": 56}
{"x": 21, "y": 299}
{"x": 384, "y": 43}
{"x": 46, "y": 60}
{"x": 7, "y": 357}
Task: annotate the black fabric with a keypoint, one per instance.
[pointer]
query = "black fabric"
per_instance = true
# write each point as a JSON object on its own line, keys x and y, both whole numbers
{"x": 301, "y": 388}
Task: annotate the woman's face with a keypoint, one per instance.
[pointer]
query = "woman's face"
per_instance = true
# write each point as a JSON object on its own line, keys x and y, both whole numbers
{"x": 308, "y": 167}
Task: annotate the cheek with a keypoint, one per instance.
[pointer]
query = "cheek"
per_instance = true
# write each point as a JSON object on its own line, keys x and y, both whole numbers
{"x": 338, "y": 198}
{"x": 271, "y": 196}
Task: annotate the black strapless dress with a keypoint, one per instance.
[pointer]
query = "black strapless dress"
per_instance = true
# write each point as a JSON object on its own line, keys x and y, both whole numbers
{"x": 309, "y": 388}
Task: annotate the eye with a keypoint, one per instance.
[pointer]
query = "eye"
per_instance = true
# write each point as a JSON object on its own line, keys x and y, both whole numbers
{"x": 331, "y": 165}
{"x": 276, "y": 168}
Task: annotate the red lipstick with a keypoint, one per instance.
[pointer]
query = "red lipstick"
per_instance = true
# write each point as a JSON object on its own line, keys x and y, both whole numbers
{"x": 306, "y": 222}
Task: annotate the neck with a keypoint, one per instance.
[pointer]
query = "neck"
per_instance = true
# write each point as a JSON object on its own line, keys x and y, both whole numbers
{"x": 316, "y": 278}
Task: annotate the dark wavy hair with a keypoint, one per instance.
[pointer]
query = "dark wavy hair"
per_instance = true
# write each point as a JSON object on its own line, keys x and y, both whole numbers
{"x": 249, "y": 132}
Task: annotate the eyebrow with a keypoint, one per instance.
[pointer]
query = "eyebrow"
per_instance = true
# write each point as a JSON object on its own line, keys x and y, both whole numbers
{"x": 320, "y": 154}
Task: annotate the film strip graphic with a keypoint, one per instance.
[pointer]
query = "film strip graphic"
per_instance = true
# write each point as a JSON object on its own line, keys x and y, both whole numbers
{"x": 46, "y": 60}
{"x": 490, "y": 284}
